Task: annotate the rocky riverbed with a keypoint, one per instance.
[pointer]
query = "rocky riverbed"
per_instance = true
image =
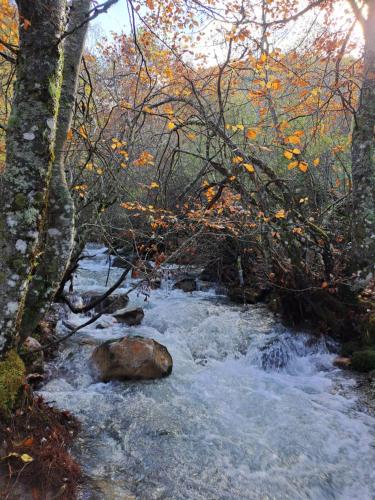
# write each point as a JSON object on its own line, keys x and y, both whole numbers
{"x": 251, "y": 410}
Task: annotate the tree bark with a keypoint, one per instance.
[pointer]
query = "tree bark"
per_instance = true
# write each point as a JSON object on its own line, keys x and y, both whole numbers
{"x": 30, "y": 144}
{"x": 59, "y": 235}
{"x": 363, "y": 165}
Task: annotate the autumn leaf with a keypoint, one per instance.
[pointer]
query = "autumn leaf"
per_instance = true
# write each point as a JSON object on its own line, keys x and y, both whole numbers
{"x": 26, "y": 458}
{"x": 251, "y": 133}
{"x": 293, "y": 139}
{"x": 292, "y": 165}
{"x": 280, "y": 214}
{"x": 288, "y": 154}
{"x": 171, "y": 126}
{"x": 316, "y": 162}
{"x": 296, "y": 151}
{"x": 154, "y": 185}
{"x": 249, "y": 167}
{"x": 82, "y": 132}
{"x": 237, "y": 159}
{"x": 69, "y": 135}
{"x": 303, "y": 166}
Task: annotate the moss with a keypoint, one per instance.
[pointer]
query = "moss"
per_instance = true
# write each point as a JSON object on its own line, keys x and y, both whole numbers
{"x": 12, "y": 376}
{"x": 364, "y": 361}
{"x": 20, "y": 201}
{"x": 39, "y": 198}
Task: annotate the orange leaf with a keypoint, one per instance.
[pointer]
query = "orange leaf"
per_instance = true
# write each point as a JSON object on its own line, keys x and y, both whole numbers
{"x": 303, "y": 166}
{"x": 251, "y": 133}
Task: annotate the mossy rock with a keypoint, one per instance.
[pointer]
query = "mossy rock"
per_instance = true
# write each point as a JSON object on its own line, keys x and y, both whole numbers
{"x": 364, "y": 361}
{"x": 12, "y": 377}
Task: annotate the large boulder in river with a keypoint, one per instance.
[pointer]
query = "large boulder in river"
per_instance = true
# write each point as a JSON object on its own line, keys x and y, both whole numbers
{"x": 132, "y": 358}
{"x": 131, "y": 316}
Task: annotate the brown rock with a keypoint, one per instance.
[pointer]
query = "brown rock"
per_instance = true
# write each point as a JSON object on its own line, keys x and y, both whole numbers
{"x": 186, "y": 284}
{"x": 244, "y": 295}
{"x": 130, "y": 316}
{"x": 342, "y": 362}
{"x": 132, "y": 358}
{"x": 109, "y": 305}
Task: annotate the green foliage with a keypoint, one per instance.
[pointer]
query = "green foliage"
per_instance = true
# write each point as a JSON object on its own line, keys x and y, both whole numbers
{"x": 364, "y": 361}
{"x": 12, "y": 375}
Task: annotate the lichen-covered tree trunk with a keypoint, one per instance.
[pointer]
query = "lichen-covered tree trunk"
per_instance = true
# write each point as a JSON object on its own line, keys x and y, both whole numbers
{"x": 30, "y": 146}
{"x": 363, "y": 165}
{"x": 59, "y": 234}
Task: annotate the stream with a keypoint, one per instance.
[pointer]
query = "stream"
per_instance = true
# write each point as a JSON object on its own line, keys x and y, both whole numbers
{"x": 252, "y": 410}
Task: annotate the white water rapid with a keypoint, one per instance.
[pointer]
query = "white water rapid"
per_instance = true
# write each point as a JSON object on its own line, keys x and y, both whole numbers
{"x": 251, "y": 411}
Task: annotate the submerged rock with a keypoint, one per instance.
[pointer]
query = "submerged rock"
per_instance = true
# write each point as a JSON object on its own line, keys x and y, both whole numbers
{"x": 109, "y": 305}
{"x": 342, "y": 362}
{"x": 245, "y": 295}
{"x": 130, "y": 316}
{"x": 187, "y": 284}
{"x": 121, "y": 261}
{"x": 132, "y": 358}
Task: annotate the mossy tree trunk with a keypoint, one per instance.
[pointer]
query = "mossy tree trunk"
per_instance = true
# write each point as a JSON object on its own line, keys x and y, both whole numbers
{"x": 59, "y": 234}
{"x": 30, "y": 146}
{"x": 363, "y": 165}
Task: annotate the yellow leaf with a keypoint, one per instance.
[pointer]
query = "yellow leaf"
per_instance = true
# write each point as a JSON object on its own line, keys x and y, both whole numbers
{"x": 288, "y": 154}
{"x": 191, "y": 136}
{"x": 303, "y": 166}
{"x": 26, "y": 458}
{"x": 237, "y": 159}
{"x": 240, "y": 127}
{"x": 251, "y": 133}
{"x": 274, "y": 84}
{"x": 99, "y": 171}
{"x": 293, "y": 139}
{"x": 283, "y": 125}
{"x": 299, "y": 133}
{"x": 83, "y": 132}
{"x": 296, "y": 151}
{"x": 249, "y": 167}
{"x": 154, "y": 185}
{"x": 280, "y": 214}
{"x": 171, "y": 125}
{"x": 316, "y": 162}
{"x": 292, "y": 165}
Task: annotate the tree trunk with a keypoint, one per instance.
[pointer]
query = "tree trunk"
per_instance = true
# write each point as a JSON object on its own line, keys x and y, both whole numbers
{"x": 59, "y": 235}
{"x": 363, "y": 166}
{"x": 30, "y": 143}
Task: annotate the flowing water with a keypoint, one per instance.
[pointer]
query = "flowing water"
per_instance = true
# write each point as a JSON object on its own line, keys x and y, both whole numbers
{"x": 251, "y": 410}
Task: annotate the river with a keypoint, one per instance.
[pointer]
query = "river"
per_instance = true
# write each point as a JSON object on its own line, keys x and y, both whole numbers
{"x": 251, "y": 411}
